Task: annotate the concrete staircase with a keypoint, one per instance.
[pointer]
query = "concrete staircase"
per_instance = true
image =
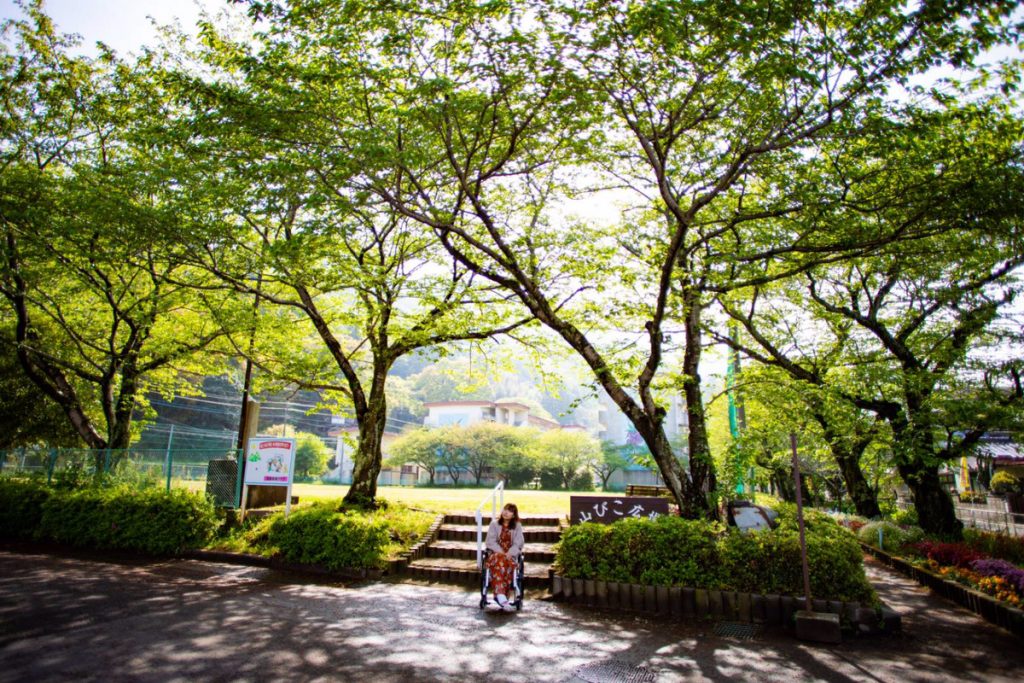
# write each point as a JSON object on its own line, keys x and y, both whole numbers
{"x": 451, "y": 556}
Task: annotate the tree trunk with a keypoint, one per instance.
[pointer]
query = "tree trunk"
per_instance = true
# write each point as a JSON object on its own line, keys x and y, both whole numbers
{"x": 935, "y": 511}
{"x": 120, "y": 429}
{"x": 913, "y": 446}
{"x": 692, "y": 501}
{"x": 693, "y": 504}
{"x": 784, "y": 485}
{"x": 702, "y": 467}
{"x": 49, "y": 378}
{"x": 857, "y": 487}
{"x": 368, "y": 458}
{"x": 847, "y": 455}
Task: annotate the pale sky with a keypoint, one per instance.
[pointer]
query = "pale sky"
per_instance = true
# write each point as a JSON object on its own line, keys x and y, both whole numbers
{"x": 122, "y": 24}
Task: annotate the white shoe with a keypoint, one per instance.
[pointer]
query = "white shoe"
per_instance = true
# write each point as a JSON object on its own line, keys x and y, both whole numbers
{"x": 501, "y": 600}
{"x": 508, "y": 606}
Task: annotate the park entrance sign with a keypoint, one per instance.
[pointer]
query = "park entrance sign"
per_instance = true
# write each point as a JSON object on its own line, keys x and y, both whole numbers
{"x": 608, "y": 509}
{"x": 270, "y": 461}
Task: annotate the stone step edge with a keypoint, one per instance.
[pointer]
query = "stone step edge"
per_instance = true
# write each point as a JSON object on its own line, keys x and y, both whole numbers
{"x": 418, "y": 549}
{"x": 466, "y": 576}
{"x": 527, "y": 529}
{"x": 546, "y": 556}
{"x": 540, "y": 520}
{"x": 528, "y": 532}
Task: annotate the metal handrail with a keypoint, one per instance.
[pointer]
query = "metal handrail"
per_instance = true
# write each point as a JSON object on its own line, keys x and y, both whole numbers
{"x": 498, "y": 491}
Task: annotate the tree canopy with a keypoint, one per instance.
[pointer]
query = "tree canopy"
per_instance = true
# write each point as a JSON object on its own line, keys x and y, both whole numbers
{"x": 342, "y": 189}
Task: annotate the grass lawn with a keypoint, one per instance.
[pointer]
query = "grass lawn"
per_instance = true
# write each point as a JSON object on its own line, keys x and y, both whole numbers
{"x": 452, "y": 500}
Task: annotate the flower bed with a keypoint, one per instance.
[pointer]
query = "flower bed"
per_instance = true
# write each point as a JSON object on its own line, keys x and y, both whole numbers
{"x": 988, "y": 607}
{"x": 963, "y": 564}
{"x": 981, "y": 572}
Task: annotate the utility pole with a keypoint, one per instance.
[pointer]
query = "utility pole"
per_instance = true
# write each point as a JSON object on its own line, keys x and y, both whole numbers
{"x": 243, "y": 418}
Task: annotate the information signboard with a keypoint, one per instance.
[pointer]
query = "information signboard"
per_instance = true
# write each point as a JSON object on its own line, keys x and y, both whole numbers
{"x": 270, "y": 461}
{"x": 608, "y": 509}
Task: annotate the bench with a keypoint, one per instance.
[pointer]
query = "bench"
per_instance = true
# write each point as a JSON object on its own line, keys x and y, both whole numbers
{"x": 656, "y": 491}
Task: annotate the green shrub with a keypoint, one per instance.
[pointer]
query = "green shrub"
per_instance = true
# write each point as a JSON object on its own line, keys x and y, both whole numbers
{"x": 21, "y": 507}
{"x": 894, "y": 536}
{"x": 323, "y": 536}
{"x": 152, "y": 520}
{"x": 1004, "y": 482}
{"x": 581, "y": 552}
{"x": 405, "y": 526}
{"x": 769, "y": 561}
{"x": 674, "y": 551}
{"x": 678, "y": 552}
{"x": 584, "y": 481}
{"x": 973, "y": 497}
{"x": 667, "y": 551}
{"x": 907, "y": 517}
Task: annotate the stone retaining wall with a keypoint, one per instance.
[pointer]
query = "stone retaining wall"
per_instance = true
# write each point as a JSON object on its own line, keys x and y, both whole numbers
{"x": 698, "y": 603}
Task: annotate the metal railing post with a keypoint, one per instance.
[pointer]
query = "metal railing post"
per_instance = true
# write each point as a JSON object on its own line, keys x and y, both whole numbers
{"x": 498, "y": 491}
{"x": 170, "y": 438}
{"x": 51, "y": 465}
{"x": 239, "y": 455}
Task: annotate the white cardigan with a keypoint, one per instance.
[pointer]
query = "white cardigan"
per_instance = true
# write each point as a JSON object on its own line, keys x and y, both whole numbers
{"x": 494, "y": 533}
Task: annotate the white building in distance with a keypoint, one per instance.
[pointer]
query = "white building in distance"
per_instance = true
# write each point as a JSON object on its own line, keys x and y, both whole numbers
{"x": 466, "y": 413}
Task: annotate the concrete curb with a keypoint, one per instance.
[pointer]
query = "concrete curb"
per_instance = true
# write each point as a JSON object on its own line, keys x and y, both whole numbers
{"x": 279, "y": 564}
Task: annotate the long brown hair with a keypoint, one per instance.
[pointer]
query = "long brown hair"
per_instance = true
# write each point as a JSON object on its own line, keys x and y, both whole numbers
{"x": 514, "y": 522}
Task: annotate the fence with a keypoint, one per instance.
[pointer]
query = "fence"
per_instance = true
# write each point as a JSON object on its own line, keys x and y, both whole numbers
{"x": 214, "y": 471}
{"x": 989, "y": 519}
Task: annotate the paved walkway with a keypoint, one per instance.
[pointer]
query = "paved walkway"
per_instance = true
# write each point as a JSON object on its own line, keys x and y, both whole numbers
{"x": 87, "y": 619}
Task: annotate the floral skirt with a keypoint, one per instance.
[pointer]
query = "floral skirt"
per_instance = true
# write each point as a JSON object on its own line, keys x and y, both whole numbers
{"x": 502, "y": 569}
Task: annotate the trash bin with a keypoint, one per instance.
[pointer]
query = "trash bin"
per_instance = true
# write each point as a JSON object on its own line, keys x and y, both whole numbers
{"x": 221, "y": 480}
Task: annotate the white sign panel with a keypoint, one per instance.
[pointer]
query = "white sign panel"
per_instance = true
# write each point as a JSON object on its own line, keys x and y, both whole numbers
{"x": 270, "y": 461}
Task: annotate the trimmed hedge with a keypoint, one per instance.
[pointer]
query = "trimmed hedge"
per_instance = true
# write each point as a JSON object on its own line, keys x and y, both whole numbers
{"x": 21, "y": 507}
{"x": 321, "y": 535}
{"x": 666, "y": 551}
{"x": 701, "y": 554}
{"x": 117, "y": 518}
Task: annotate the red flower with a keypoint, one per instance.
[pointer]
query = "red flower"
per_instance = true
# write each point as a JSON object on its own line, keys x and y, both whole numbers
{"x": 948, "y": 554}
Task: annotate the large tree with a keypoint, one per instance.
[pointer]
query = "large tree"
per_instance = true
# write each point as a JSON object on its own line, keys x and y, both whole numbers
{"x": 471, "y": 117}
{"x": 278, "y": 215}
{"x": 91, "y": 296}
{"x": 826, "y": 423}
{"x": 907, "y": 324}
